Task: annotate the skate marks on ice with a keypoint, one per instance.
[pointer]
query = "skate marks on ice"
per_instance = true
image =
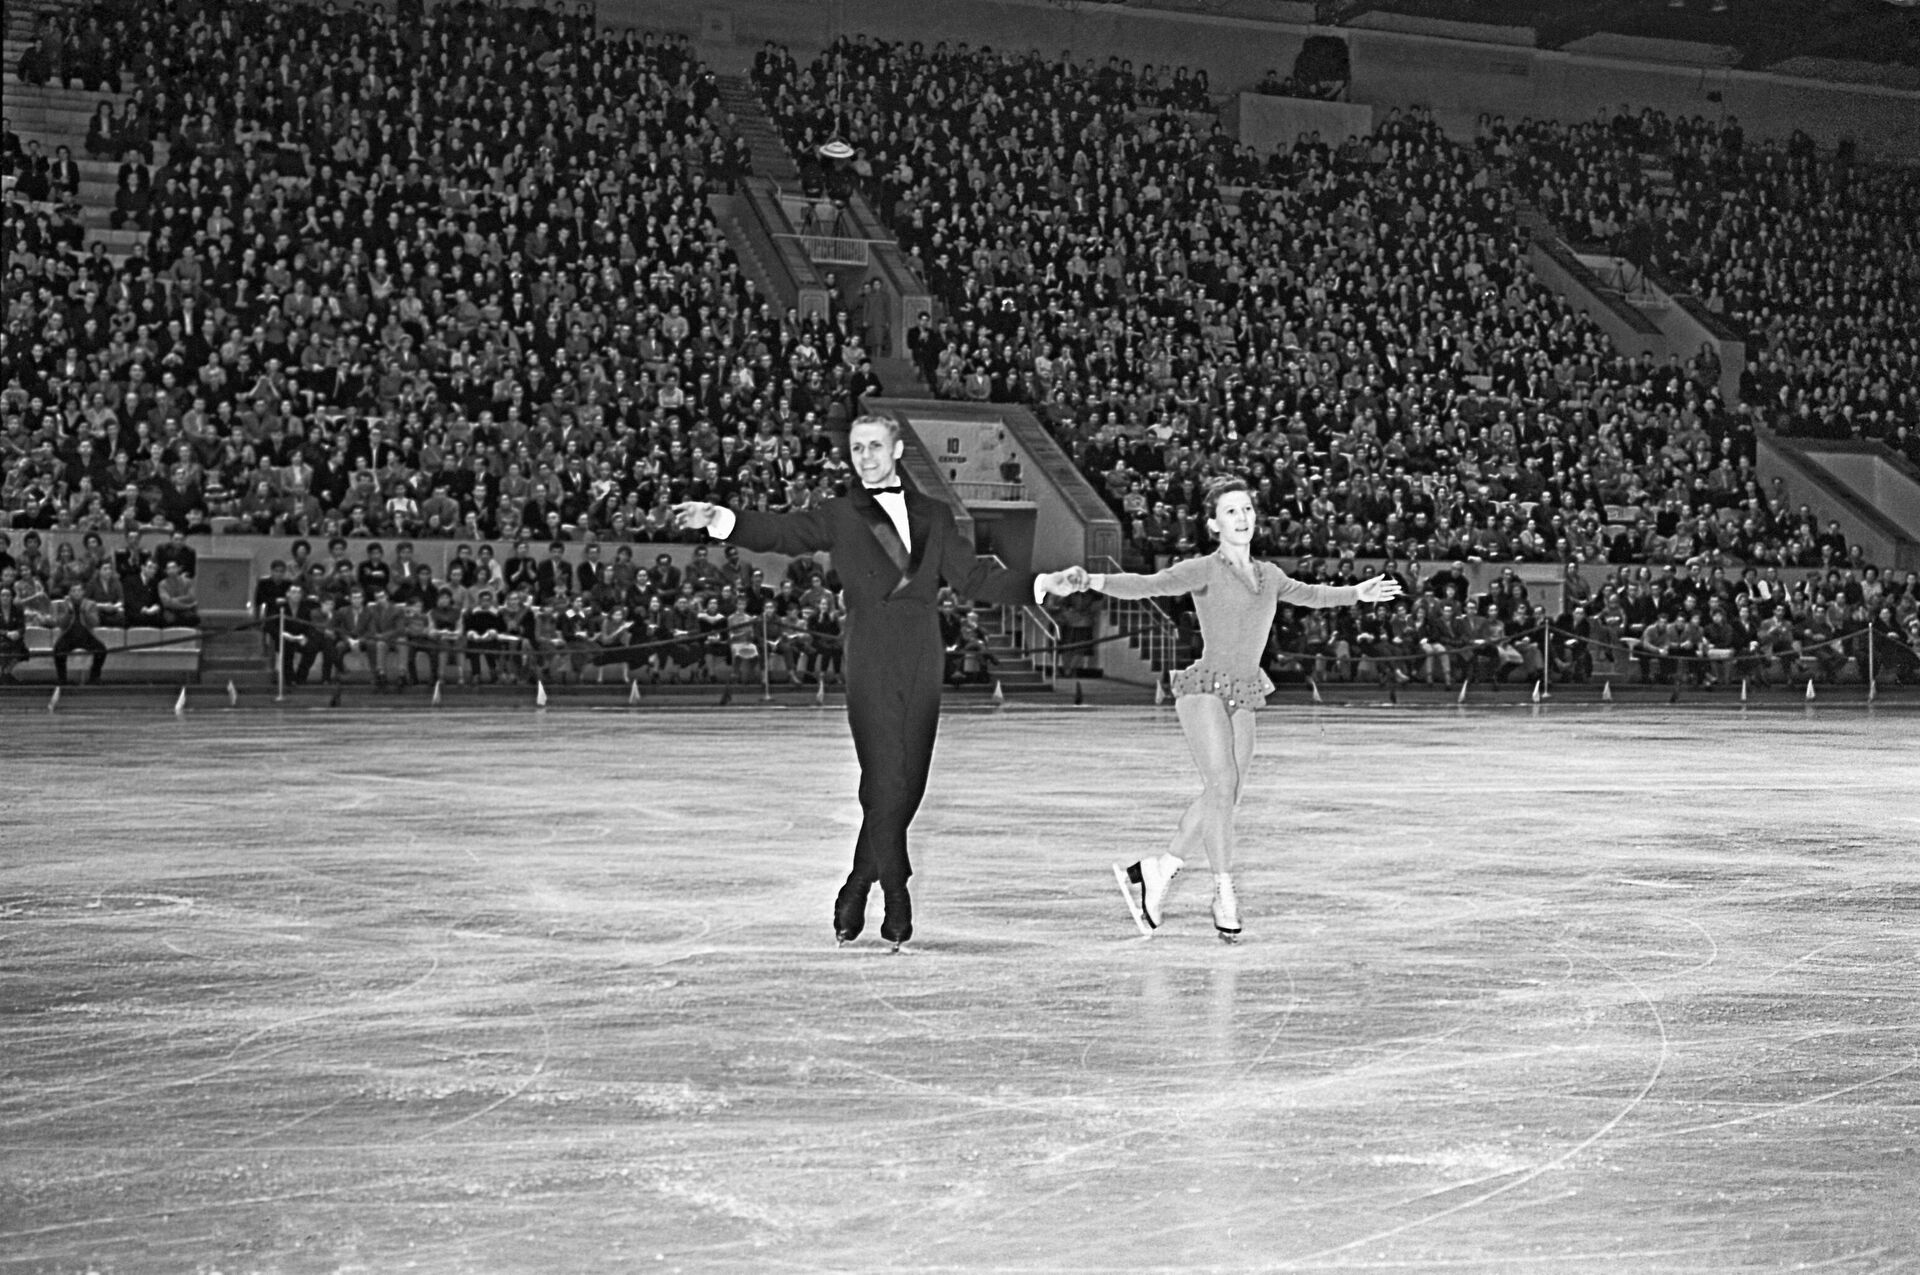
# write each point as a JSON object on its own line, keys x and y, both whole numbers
{"x": 560, "y": 992}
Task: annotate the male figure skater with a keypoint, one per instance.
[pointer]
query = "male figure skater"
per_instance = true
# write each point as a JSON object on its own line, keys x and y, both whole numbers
{"x": 892, "y": 546}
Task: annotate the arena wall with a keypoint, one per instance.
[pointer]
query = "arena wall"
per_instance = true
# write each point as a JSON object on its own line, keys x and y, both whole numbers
{"x": 1458, "y": 79}
{"x": 1269, "y": 123}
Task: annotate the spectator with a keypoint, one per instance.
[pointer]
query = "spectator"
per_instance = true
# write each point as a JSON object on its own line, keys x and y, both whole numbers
{"x": 484, "y": 635}
{"x": 13, "y": 631}
{"x": 298, "y": 630}
{"x": 140, "y": 596}
{"x": 179, "y": 603}
{"x": 73, "y": 622}
{"x": 105, "y": 591}
{"x": 443, "y": 639}
{"x": 388, "y": 632}
{"x": 351, "y": 631}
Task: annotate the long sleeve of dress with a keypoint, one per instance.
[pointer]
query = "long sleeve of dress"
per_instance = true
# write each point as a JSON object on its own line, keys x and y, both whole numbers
{"x": 1301, "y": 594}
{"x": 1184, "y": 576}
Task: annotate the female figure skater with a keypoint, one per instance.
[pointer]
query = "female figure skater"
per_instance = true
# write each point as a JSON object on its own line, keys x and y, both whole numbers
{"x": 1235, "y": 597}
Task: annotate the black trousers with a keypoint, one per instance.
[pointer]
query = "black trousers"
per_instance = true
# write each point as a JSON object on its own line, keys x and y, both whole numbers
{"x": 893, "y": 708}
{"x": 78, "y": 640}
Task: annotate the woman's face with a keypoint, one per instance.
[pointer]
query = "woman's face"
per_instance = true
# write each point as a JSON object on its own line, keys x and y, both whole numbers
{"x": 1233, "y": 519}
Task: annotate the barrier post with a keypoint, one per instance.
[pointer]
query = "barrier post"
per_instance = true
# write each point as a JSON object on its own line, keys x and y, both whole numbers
{"x": 280, "y": 664}
{"x": 1873, "y": 684}
{"x": 766, "y": 660}
{"x": 1546, "y": 658}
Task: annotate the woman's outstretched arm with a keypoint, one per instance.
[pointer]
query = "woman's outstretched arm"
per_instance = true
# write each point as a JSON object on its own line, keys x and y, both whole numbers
{"x": 1182, "y": 577}
{"x": 1301, "y": 594}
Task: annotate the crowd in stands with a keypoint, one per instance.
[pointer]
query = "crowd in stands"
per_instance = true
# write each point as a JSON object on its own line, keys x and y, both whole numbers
{"x": 1692, "y": 625}
{"x": 546, "y": 611}
{"x": 1813, "y": 259}
{"x": 75, "y": 593}
{"x": 455, "y": 275}
{"x": 1355, "y": 329}
{"x": 446, "y": 274}
{"x": 539, "y": 615}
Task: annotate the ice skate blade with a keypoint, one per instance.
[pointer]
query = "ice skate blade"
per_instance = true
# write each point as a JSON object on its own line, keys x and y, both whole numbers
{"x": 1230, "y": 937}
{"x": 1124, "y": 875}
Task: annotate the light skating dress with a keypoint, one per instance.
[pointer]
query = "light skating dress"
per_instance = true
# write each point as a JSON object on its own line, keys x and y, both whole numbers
{"x": 1235, "y": 619}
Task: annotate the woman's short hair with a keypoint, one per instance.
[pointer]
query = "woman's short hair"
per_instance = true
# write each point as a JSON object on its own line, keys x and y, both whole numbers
{"x": 1222, "y": 486}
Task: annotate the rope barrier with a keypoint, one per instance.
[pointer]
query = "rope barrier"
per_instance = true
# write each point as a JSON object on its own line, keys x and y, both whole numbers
{"x": 1637, "y": 649}
{"x": 199, "y": 634}
{"x": 1625, "y": 647}
{"x": 1633, "y": 649}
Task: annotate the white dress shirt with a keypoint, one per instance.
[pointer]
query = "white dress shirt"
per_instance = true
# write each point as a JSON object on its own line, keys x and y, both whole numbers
{"x": 895, "y": 505}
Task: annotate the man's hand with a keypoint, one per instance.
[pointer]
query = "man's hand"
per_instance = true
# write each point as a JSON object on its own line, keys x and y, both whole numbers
{"x": 693, "y": 514}
{"x": 1379, "y": 589}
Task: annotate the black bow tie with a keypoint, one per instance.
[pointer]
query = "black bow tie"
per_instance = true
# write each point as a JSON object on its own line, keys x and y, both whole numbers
{"x": 896, "y": 489}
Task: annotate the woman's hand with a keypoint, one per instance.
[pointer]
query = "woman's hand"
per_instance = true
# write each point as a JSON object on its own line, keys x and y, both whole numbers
{"x": 1379, "y": 589}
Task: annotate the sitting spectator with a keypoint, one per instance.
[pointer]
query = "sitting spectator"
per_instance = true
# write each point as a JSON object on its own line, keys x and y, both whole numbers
{"x": 408, "y": 635}
{"x": 133, "y": 199}
{"x": 140, "y": 596}
{"x": 105, "y": 591}
{"x": 352, "y": 632}
{"x": 179, "y": 603}
{"x": 103, "y": 134}
{"x": 74, "y": 620}
{"x": 298, "y": 629}
{"x": 13, "y": 632}
{"x": 63, "y": 176}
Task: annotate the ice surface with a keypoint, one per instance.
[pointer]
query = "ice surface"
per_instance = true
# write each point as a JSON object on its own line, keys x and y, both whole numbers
{"x": 1556, "y": 991}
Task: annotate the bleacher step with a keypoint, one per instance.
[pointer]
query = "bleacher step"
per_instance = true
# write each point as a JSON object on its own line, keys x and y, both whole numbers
{"x": 770, "y": 157}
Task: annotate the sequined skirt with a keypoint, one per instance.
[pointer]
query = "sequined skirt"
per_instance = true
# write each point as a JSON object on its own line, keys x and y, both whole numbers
{"x": 1243, "y": 691}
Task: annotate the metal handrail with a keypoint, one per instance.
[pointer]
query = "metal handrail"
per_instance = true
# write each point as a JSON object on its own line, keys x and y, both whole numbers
{"x": 1035, "y": 632}
{"x": 1159, "y": 636}
{"x": 989, "y": 491}
{"x": 1039, "y": 639}
{"x": 833, "y": 250}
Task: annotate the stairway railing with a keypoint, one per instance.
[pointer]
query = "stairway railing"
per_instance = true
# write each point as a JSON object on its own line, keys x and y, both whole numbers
{"x": 1155, "y": 633}
{"x": 1034, "y": 633}
{"x": 1038, "y": 638}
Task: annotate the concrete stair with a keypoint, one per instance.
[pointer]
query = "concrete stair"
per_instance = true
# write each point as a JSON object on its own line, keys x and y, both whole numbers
{"x": 770, "y": 157}
{"x": 1012, "y": 671}
{"x": 56, "y": 116}
{"x": 728, "y": 211}
{"x": 228, "y": 656}
{"x": 900, "y": 377}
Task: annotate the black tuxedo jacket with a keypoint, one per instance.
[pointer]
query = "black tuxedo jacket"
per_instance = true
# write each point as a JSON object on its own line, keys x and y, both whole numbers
{"x": 889, "y": 605}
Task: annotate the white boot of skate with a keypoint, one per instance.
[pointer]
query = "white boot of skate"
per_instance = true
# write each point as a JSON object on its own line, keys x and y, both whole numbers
{"x": 1226, "y": 909}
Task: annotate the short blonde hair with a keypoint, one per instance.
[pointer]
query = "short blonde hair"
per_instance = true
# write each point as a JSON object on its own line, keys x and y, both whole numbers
{"x": 887, "y": 423}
